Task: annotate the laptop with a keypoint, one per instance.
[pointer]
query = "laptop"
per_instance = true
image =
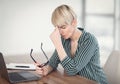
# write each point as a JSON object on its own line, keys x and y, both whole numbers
{"x": 15, "y": 77}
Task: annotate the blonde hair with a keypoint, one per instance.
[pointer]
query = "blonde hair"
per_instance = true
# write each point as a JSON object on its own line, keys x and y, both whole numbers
{"x": 63, "y": 15}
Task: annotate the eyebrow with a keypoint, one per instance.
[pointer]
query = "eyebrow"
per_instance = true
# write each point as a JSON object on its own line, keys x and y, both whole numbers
{"x": 62, "y": 26}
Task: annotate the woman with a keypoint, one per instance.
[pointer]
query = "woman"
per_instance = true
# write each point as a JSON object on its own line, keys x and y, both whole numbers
{"x": 75, "y": 49}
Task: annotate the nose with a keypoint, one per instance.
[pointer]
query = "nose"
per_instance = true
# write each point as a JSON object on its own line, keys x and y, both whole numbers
{"x": 60, "y": 30}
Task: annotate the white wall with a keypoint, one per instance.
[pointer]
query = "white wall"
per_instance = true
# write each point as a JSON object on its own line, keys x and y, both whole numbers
{"x": 24, "y": 24}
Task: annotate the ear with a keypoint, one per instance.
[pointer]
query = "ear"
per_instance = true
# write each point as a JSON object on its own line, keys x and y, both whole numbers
{"x": 74, "y": 22}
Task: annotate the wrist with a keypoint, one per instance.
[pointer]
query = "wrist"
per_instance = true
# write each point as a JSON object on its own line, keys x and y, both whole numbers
{"x": 49, "y": 68}
{"x": 61, "y": 53}
{"x": 58, "y": 46}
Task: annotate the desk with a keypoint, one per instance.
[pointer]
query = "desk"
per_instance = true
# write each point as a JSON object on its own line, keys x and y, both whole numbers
{"x": 55, "y": 77}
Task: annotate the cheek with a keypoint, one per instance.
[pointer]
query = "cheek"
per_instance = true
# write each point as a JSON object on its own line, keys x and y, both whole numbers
{"x": 69, "y": 31}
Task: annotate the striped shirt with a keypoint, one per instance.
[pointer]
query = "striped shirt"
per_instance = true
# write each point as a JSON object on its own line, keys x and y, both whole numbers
{"x": 86, "y": 61}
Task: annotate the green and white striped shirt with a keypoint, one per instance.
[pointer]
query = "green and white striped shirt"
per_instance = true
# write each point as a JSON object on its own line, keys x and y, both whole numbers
{"x": 86, "y": 61}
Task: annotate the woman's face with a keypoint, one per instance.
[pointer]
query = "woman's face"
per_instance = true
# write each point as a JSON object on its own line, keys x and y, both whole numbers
{"x": 66, "y": 31}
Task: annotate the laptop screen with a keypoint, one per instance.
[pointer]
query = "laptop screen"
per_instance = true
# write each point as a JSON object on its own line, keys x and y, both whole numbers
{"x": 3, "y": 70}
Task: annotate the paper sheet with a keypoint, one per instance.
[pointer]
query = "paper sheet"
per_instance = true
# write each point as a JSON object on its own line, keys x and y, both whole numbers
{"x": 21, "y": 66}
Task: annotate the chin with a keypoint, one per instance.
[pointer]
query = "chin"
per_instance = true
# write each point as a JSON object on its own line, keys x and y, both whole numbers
{"x": 65, "y": 37}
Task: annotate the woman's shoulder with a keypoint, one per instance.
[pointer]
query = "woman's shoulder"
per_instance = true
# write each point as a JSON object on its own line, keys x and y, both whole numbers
{"x": 87, "y": 36}
{"x": 85, "y": 33}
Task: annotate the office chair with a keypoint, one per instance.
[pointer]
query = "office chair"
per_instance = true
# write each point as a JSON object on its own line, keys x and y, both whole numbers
{"x": 112, "y": 68}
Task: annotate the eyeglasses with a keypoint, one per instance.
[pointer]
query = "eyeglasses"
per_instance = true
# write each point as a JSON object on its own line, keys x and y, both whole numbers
{"x": 44, "y": 55}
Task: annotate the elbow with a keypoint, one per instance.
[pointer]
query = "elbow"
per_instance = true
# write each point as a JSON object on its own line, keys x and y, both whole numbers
{"x": 71, "y": 72}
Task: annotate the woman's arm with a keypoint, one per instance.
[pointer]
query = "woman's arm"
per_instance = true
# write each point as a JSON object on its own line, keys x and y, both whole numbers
{"x": 56, "y": 39}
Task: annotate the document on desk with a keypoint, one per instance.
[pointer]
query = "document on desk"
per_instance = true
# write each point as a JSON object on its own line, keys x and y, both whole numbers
{"x": 20, "y": 66}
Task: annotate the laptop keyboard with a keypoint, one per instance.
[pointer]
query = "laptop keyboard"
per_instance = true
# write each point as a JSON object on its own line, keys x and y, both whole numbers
{"x": 16, "y": 77}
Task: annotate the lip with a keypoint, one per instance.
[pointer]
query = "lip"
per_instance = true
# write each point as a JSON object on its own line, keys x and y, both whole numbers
{"x": 63, "y": 35}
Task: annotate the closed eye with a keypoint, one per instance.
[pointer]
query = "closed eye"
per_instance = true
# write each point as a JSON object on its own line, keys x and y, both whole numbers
{"x": 62, "y": 27}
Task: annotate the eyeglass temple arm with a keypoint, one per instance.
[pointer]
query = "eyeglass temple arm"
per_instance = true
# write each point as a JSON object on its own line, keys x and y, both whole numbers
{"x": 31, "y": 56}
{"x": 43, "y": 51}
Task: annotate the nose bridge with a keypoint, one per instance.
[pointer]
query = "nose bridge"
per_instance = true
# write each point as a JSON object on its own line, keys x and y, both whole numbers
{"x": 60, "y": 30}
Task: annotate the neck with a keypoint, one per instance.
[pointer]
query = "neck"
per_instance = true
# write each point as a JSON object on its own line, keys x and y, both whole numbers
{"x": 76, "y": 35}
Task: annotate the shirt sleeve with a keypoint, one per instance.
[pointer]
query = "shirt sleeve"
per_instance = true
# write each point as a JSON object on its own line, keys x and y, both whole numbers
{"x": 54, "y": 60}
{"x": 85, "y": 52}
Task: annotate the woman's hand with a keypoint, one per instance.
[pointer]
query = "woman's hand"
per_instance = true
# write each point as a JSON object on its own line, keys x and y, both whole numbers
{"x": 41, "y": 70}
{"x": 56, "y": 38}
{"x": 45, "y": 70}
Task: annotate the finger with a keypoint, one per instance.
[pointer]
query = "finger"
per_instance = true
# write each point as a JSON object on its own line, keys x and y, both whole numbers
{"x": 55, "y": 29}
{"x": 56, "y": 26}
{"x": 38, "y": 68}
{"x": 45, "y": 72}
{"x": 39, "y": 72}
{"x": 36, "y": 64}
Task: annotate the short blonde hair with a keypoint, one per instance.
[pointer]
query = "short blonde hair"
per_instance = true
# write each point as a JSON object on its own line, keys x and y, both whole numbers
{"x": 62, "y": 15}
